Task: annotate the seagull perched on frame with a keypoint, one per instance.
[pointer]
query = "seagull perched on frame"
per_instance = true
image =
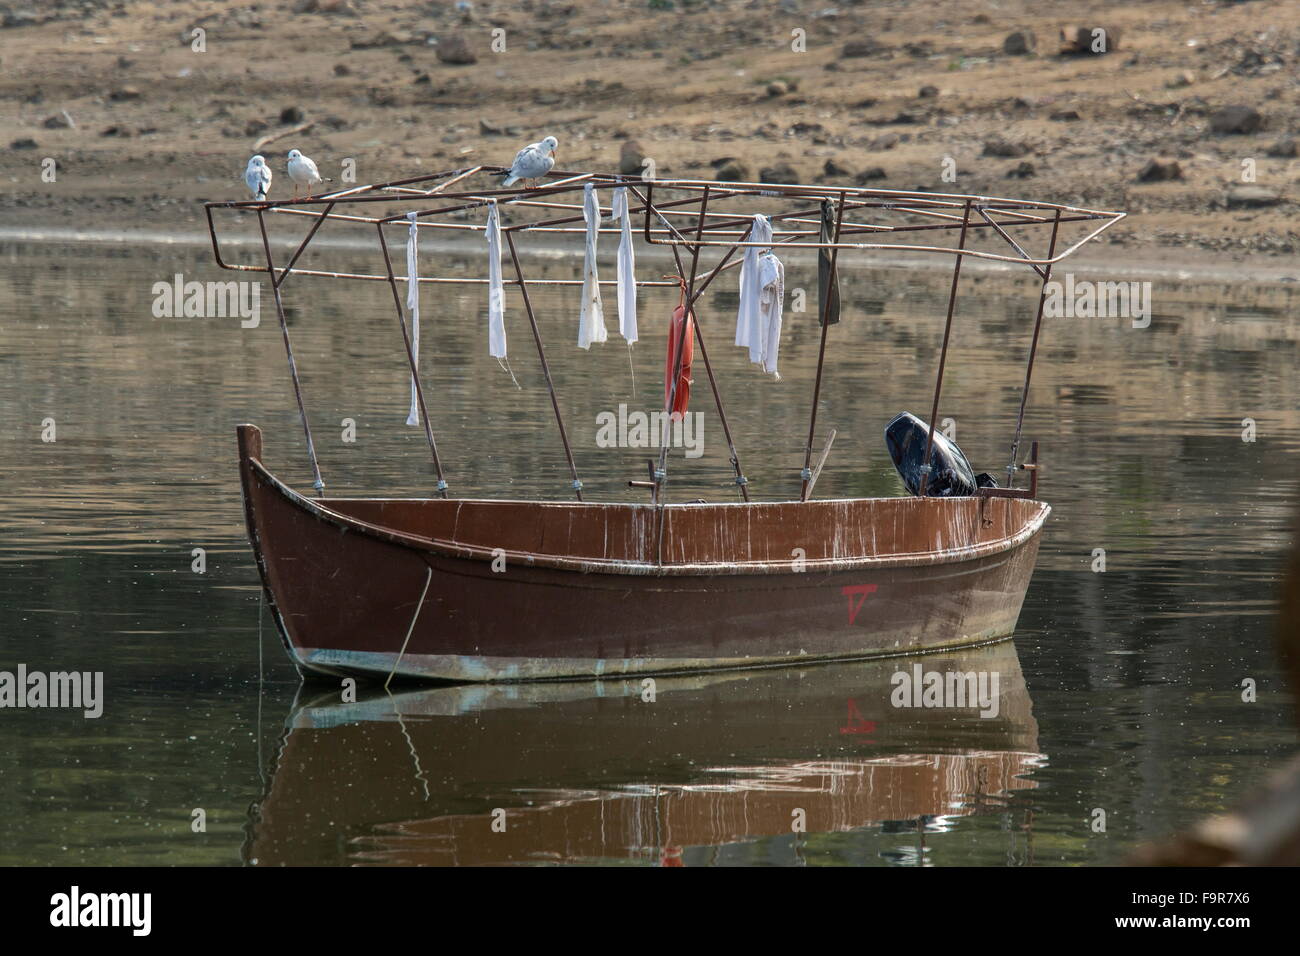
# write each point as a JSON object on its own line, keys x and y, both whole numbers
{"x": 257, "y": 176}
{"x": 532, "y": 162}
{"x": 303, "y": 172}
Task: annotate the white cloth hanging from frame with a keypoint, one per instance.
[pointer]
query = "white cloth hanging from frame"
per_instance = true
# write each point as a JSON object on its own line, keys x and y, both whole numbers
{"x": 749, "y": 332}
{"x": 496, "y": 290}
{"x": 413, "y": 306}
{"x": 771, "y": 303}
{"x": 591, "y": 318}
{"x": 626, "y": 268}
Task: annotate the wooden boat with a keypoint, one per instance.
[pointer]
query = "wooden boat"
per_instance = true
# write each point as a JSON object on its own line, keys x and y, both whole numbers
{"x": 464, "y": 589}
{"x": 406, "y": 586}
{"x": 588, "y": 770}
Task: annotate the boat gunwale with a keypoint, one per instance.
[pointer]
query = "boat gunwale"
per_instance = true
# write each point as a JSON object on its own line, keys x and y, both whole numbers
{"x": 446, "y": 548}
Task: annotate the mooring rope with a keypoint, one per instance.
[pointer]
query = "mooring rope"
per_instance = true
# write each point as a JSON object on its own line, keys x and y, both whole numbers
{"x": 411, "y": 629}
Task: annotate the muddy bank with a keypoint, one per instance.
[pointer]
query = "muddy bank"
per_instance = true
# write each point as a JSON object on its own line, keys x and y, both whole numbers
{"x": 1187, "y": 121}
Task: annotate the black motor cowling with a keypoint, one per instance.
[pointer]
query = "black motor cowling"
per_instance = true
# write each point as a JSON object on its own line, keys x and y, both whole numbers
{"x": 951, "y": 475}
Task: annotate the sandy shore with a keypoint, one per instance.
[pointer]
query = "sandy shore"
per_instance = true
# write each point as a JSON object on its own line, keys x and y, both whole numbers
{"x": 142, "y": 126}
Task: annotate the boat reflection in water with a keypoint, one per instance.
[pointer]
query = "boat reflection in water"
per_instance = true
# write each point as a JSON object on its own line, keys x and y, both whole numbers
{"x": 597, "y": 771}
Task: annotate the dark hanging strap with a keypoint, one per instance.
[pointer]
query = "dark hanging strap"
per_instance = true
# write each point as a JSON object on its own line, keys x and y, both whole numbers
{"x": 828, "y": 280}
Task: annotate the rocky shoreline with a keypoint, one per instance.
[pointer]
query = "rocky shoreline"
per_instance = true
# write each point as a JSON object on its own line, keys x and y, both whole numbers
{"x": 117, "y": 114}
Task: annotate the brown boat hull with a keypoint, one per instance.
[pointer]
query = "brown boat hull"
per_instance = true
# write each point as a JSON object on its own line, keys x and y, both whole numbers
{"x": 505, "y": 591}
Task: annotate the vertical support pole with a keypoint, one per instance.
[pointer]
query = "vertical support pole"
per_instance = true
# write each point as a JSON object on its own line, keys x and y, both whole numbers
{"x": 661, "y": 473}
{"x": 806, "y": 474}
{"x": 687, "y": 300}
{"x": 546, "y": 369}
{"x": 415, "y": 371}
{"x": 741, "y": 481}
{"x": 318, "y": 484}
{"x": 1033, "y": 469}
{"x": 1033, "y": 351}
{"x": 943, "y": 353}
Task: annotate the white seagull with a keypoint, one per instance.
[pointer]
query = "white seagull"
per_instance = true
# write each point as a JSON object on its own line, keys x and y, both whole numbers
{"x": 303, "y": 172}
{"x": 258, "y": 177}
{"x": 532, "y": 162}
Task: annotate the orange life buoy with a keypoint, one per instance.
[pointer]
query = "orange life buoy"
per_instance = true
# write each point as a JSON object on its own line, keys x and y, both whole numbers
{"x": 683, "y": 395}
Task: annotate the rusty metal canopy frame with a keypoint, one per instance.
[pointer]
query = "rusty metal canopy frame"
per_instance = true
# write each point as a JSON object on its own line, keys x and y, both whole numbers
{"x": 687, "y": 216}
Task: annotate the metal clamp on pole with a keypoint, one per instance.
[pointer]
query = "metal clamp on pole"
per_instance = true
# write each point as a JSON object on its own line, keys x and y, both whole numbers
{"x": 1032, "y": 467}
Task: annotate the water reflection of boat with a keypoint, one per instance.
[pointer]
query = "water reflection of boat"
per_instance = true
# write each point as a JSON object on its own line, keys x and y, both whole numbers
{"x": 584, "y": 771}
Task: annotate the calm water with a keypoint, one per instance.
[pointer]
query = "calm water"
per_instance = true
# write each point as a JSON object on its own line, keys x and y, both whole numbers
{"x": 1121, "y": 690}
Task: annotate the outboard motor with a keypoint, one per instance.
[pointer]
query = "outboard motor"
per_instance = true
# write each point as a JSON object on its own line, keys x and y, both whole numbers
{"x": 951, "y": 475}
